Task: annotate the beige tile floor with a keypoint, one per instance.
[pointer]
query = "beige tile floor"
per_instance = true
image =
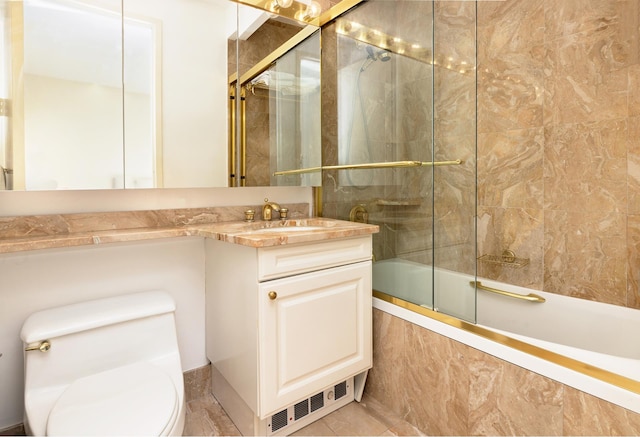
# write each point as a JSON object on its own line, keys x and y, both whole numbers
{"x": 205, "y": 417}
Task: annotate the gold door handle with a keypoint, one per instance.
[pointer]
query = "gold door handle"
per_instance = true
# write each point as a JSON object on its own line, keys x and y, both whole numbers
{"x": 272, "y": 295}
{"x": 43, "y": 346}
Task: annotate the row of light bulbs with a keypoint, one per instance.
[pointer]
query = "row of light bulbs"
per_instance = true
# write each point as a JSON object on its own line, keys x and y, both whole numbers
{"x": 399, "y": 46}
{"x": 312, "y": 10}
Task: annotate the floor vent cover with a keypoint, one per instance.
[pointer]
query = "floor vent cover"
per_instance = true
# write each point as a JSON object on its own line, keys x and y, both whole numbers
{"x": 301, "y": 409}
{"x": 340, "y": 390}
{"x": 279, "y": 420}
{"x": 307, "y": 407}
{"x": 317, "y": 402}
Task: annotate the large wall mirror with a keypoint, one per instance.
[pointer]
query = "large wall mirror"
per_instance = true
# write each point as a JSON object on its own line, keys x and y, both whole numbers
{"x": 111, "y": 94}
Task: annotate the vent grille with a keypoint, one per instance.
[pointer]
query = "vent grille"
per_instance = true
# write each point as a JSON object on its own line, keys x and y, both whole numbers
{"x": 317, "y": 401}
{"x": 279, "y": 420}
{"x": 301, "y": 409}
{"x": 307, "y": 410}
{"x": 340, "y": 390}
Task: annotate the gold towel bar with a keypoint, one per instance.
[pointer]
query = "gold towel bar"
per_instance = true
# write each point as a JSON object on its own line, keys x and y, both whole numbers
{"x": 369, "y": 165}
{"x": 297, "y": 171}
{"x": 529, "y": 297}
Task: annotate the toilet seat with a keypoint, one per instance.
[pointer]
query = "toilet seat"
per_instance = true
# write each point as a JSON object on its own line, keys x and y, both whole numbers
{"x": 137, "y": 399}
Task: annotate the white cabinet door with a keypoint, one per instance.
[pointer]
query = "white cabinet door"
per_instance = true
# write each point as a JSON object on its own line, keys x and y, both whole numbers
{"x": 314, "y": 332}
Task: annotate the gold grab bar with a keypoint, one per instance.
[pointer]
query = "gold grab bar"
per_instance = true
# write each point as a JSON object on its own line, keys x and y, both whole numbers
{"x": 243, "y": 136}
{"x": 232, "y": 135}
{"x": 529, "y": 297}
{"x": 369, "y": 165}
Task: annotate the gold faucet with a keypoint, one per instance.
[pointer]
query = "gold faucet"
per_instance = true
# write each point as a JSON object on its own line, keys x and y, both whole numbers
{"x": 268, "y": 208}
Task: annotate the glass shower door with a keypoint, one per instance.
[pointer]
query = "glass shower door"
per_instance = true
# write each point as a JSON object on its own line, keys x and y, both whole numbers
{"x": 405, "y": 87}
{"x": 454, "y": 187}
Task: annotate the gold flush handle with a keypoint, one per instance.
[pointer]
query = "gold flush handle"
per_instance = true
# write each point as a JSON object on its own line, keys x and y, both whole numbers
{"x": 43, "y": 346}
{"x": 272, "y": 295}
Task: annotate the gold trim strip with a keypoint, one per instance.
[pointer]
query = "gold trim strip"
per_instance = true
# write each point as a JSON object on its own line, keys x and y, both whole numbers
{"x": 297, "y": 9}
{"x": 16, "y": 155}
{"x": 531, "y": 297}
{"x": 233, "y": 78}
{"x": 586, "y": 369}
{"x": 317, "y": 201}
{"x": 272, "y": 57}
{"x": 337, "y": 10}
{"x": 312, "y": 25}
{"x": 368, "y": 166}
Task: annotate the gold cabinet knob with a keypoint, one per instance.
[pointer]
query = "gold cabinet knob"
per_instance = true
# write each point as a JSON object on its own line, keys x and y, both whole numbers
{"x": 272, "y": 295}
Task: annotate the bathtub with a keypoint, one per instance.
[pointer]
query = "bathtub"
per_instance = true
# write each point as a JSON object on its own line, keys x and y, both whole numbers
{"x": 584, "y": 344}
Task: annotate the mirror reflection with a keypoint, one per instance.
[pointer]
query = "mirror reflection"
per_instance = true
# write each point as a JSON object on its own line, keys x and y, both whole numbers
{"x": 96, "y": 97}
{"x": 73, "y": 90}
{"x": 279, "y": 110}
{"x": 104, "y": 94}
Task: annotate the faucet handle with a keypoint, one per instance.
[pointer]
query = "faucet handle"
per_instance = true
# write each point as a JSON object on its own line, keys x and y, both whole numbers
{"x": 283, "y": 213}
{"x": 359, "y": 214}
{"x": 266, "y": 213}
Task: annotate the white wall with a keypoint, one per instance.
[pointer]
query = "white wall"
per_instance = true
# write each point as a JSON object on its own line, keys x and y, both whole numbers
{"x": 30, "y": 281}
{"x": 36, "y": 280}
{"x": 15, "y": 203}
{"x": 195, "y": 90}
{"x": 73, "y": 134}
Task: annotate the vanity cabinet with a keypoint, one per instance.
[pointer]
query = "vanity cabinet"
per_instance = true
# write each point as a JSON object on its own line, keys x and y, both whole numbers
{"x": 284, "y": 323}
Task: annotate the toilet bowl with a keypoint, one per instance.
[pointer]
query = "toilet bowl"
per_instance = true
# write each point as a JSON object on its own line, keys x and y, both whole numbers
{"x": 104, "y": 367}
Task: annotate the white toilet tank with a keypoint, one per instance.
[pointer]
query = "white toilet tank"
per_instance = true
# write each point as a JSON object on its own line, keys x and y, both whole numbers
{"x": 111, "y": 337}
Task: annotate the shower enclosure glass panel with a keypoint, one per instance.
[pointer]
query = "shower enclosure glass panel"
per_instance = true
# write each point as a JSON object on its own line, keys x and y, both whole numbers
{"x": 454, "y": 187}
{"x": 279, "y": 132}
{"x": 294, "y": 109}
{"x": 405, "y": 87}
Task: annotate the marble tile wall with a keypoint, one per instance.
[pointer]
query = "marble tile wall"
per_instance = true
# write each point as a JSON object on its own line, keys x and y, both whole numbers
{"x": 558, "y": 146}
{"x": 257, "y": 138}
{"x": 447, "y": 388}
{"x": 52, "y": 225}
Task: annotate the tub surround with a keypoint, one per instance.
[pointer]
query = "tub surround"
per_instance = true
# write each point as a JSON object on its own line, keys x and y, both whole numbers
{"x": 444, "y": 386}
{"x": 221, "y": 223}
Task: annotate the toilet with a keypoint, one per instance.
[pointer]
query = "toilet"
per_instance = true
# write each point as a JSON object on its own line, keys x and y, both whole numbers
{"x": 104, "y": 367}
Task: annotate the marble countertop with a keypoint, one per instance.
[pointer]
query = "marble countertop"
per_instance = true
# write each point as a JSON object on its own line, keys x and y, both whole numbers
{"x": 253, "y": 234}
{"x": 261, "y": 234}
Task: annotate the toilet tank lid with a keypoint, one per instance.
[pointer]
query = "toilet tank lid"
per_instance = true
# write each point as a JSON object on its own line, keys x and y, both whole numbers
{"x": 64, "y": 320}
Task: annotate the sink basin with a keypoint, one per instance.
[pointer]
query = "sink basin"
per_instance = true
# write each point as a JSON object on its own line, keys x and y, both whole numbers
{"x": 291, "y": 231}
{"x": 286, "y": 229}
